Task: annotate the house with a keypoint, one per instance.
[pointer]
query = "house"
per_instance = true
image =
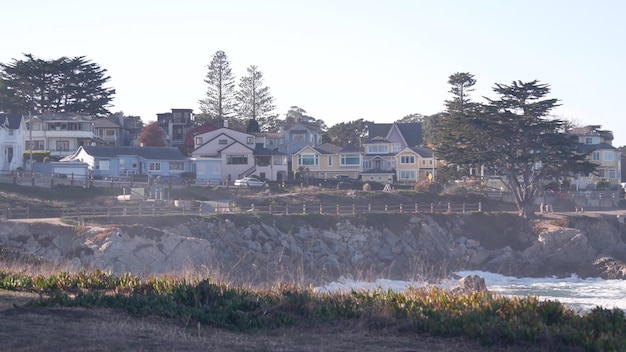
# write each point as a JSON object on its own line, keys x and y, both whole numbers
{"x": 401, "y": 135}
{"x": 597, "y": 144}
{"x": 297, "y": 135}
{"x": 123, "y": 161}
{"x": 415, "y": 164}
{"x": 176, "y": 125}
{"x": 60, "y": 133}
{"x": 379, "y": 160}
{"x": 11, "y": 143}
{"x": 189, "y": 144}
{"x": 117, "y": 130}
{"x": 239, "y": 155}
{"x": 328, "y": 161}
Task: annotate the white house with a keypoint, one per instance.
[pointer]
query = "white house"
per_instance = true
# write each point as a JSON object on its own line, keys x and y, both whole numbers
{"x": 239, "y": 155}
{"x": 11, "y": 142}
{"x": 61, "y": 134}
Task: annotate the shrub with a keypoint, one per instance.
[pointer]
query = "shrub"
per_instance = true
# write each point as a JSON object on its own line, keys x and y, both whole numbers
{"x": 367, "y": 187}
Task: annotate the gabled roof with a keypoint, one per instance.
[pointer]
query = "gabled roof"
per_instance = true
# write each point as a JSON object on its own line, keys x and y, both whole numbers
{"x": 411, "y": 132}
{"x": 207, "y": 127}
{"x": 10, "y": 121}
{"x": 65, "y": 116}
{"x": 150, "y": 153}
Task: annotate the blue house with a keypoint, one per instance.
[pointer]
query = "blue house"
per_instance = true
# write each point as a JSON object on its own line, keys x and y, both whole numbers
{"x": 124, "y": 161}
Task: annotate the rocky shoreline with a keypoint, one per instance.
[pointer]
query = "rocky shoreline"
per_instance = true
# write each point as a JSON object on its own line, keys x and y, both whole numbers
{"x": 320, "y": 249}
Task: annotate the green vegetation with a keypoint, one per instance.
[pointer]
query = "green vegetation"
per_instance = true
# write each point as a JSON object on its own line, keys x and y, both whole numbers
{"x": 492, "y": 319}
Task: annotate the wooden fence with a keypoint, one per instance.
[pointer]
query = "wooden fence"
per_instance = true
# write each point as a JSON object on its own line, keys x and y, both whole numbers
{"x": 198, "y": 208}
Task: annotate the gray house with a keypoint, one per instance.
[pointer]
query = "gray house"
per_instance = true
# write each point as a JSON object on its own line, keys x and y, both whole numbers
{"x": 124, "y": 161}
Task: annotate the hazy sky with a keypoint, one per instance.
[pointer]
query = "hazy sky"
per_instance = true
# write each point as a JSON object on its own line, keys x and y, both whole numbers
{"x": 338, "y": 60}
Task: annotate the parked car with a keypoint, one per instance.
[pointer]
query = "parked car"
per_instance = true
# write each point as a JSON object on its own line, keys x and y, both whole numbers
{"x": 170, "y": 179}
{"x": 250, "y": 182}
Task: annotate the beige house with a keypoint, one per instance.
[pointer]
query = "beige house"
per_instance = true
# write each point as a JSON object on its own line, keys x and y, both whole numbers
{"x": 327, "y": 161}
{"x": 598, "y": 145}
{"x": 415, "y": 164}
{"x": 62, "y": 133}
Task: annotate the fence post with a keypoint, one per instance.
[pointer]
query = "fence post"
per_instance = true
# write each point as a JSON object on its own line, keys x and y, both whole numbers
{"x": 353, "y": 209}
{"x": 463, "y": 207}
{"x": 321, "y": 209}
{"x": 287, "y": 209}
{"x": 8, "y": 213}
{"x": 385, "y": 208}
{"x": 480, "y": 207}
{"x": 432, "y": 207}
{"x": 369, "y": 207}
{"x": 124, "y": 210}
{"x": 337, "y": 209}
{"x": 252, "y": 208}
{"x": 32, "y": 178}
{"x": 449, "y": 207}
{"x": 72, "y": 180}
{"x": 400, "y": 208}
{"x": 270, "y": 209}
{"x": 27, "y": 212}
{"x": 304, "y": 208}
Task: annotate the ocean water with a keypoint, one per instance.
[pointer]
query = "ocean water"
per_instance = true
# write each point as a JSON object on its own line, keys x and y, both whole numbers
{"x": 582, "y": 295}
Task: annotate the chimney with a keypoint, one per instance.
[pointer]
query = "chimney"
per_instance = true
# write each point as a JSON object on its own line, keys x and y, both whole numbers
{"x": 225, "y": 123}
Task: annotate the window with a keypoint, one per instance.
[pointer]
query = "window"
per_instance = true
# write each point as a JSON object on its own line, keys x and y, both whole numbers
{"x": 298, "y": 136}
{"x": 407, "y": 159}
{"x": 250, "y": 140}
{"x": 612, "y": 174}
{"x": 103, "y": 165}
{"x": 37, "y": 145}
{"x": 350, "y": 159}
{"x": 198, "y": 141}
{"x": 407, "y": 174}
{"x": 595, "y": 156}
{"x": 223, "y": 141}
{"x": 76, "y": 127}
{"x": 154, "y": 166}
{"x": 588, "y": 140}
{"x": 378, "y": 149}
{"x": 396, "y": 148}
{"x": 63, "y": 145}
{"x": 330, "y": 160}
{"x": 308, "y": 159}
{"x": 237, "y": 159}
{"x": 609, "y": 156}
{"x": 109, "y": 133}
{"x": 11, "y": 132}
{"x": 177, "y": 165}
{"x": 277, "y": 159}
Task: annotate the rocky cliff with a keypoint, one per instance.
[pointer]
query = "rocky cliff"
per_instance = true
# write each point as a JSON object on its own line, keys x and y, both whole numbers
{"x": 317, "y": 249}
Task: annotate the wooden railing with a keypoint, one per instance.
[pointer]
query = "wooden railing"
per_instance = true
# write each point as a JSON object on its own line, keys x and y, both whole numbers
{"x": 197, "y": 208}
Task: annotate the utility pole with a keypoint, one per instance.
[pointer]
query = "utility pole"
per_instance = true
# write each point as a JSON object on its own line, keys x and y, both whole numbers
{"x": 30, "y": 143}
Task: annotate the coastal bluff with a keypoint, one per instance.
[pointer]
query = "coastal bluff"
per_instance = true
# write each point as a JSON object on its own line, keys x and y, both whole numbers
{"x": 315, "y": 249}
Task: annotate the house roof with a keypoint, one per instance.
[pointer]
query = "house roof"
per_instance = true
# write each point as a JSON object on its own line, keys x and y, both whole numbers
{"x": 309, "y": 125}
{"x": 261, "y": 150}
{"x": 411, "y": 132}
{"x": 151, "y": 153}
{"x": 105, "y": 123}
{"x": 327, "y": 148}
{"x": 10, "y": 121}
{"x": 207, "y": 127}
{"x": 424, "y": 152}
{"x": 588, "y": 148}
{"x": 66, "y": 116}
{"x": 351, "y": 148}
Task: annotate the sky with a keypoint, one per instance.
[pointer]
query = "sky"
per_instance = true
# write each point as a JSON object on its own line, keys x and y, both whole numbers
{"x": 340, "y": 60}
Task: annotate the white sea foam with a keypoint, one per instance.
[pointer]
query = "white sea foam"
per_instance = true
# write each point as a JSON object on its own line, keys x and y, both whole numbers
{"x": 581, "y": 295}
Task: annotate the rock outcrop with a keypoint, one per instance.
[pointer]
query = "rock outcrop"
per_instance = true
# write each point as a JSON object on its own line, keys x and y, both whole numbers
{"x": 252, "y": 251}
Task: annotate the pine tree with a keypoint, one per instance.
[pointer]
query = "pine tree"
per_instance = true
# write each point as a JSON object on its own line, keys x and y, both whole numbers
{"x": 67, "y": 84}
{"x": 254, "y": 100}
{"x": 219, "y": 103}
{"x": 513, "y": 138}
